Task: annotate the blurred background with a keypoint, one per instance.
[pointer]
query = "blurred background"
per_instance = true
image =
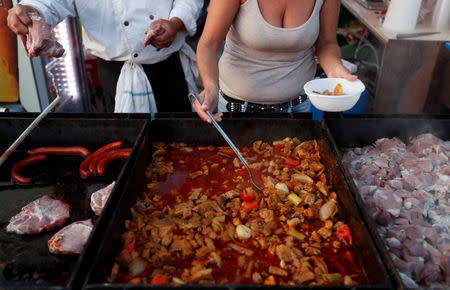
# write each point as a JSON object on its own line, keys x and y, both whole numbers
{"x": 402, "y": 73}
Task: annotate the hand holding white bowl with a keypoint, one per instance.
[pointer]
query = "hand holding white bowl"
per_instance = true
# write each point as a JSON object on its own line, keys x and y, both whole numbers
{"x": 352, "y": 91}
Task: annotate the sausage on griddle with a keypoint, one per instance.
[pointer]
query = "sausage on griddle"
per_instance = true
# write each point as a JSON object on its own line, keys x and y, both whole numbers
{"x": 75, "y": 150}
{"x": 84, "y": 166}
{"x": 15, "y": 171}
{"x": 110, "y": 157}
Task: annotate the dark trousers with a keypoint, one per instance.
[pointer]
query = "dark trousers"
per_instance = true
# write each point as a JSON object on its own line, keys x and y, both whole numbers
{"x": 166, "y": 77}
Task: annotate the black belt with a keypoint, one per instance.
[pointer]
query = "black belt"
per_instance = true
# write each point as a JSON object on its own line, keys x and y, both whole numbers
{"x": 235, "y": 105}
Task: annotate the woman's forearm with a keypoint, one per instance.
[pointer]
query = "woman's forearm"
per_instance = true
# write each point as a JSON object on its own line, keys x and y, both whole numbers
{"x": 208, "y": 65}
{"x": 330, "y": 58}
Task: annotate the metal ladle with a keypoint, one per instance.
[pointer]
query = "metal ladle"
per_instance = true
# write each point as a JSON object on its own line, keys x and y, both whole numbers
{"x": 225, "y": 136}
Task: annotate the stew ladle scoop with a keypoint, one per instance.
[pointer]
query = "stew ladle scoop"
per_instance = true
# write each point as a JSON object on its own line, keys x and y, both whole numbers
{"x": 192, "y": 97}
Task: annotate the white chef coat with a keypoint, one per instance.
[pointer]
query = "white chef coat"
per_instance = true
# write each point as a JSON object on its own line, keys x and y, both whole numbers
{"x": 114, "y": 30}
{"x": 118, "y": 34}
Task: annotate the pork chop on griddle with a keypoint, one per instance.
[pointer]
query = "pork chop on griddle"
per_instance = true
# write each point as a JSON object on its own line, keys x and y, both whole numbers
{"x": 71, "y": 238}
{"x": 45, "y": 213}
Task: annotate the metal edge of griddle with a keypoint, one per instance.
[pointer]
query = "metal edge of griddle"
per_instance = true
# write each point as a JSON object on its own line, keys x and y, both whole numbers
{"x": 221, "y": 287}
{"x": 58, "y": 115}
{"x": 238, "y": 115}
{"x": 112, "y": 212}
{"x": 32, "y": 286}
{"x": 96, "y": 238}
{"x": 99, "y": 285}
{"x": 397, "y": 282}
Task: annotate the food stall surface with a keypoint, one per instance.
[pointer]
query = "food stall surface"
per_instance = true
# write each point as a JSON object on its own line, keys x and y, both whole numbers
{"x": 243, "y": 131}
{"x": 25, "y": 260}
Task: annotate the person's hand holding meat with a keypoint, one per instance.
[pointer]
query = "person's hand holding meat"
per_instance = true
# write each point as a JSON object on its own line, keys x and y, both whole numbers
{"x": 162, "y": 32}
{"x": 19, "y": 19}
{"x": 35, "y": 33}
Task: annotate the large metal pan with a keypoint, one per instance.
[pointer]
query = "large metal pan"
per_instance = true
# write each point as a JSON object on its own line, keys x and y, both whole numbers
{"x": 25, "y": 261}
{"x": 243, "y": 131}
{"x": 348, "y": 131}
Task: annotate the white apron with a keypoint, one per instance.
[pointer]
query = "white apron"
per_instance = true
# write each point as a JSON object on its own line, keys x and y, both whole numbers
{"x": 134, "y": 93}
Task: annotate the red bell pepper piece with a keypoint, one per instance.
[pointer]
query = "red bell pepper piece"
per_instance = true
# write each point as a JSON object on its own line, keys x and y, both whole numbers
{"x": 158, "y": 280}
{"x": 289, "y": 162}
{"x": 128, "y": 248}
{"x": 343, "y": 233}
{"x": 278, "y": 147}
{"x": 249, "y": 205}
{"x": 245, "y": 196}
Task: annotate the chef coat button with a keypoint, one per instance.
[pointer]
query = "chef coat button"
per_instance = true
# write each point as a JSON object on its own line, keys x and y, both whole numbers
{"x": 152, "y": 17}
{"x": 135, "y": 55}
{"x": 126, "y": 23}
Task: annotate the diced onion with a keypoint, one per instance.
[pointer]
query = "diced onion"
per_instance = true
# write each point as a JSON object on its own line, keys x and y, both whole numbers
{"x": 282, "y": 186}
{"x": 243, "y": 232}
{"x": 348, "y": 281}
{"x": 137, "y": 266}
{"x": 328, "y": 209}
{"x": 302, "y": 178}
{"x": 322, "y": 188}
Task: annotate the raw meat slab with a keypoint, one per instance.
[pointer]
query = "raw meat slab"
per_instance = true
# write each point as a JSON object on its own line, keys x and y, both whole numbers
{"x": 43, "y": 213}
{"x": 71, "y": 239}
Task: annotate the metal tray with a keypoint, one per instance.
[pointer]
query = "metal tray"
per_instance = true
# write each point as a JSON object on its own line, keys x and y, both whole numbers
{"x": 25, "y": 261}
{"x": 243, "y": 131}
{"x": 349, "y": 131}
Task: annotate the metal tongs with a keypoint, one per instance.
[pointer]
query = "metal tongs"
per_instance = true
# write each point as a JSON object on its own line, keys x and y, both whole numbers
{"x": 192, "y": 97}
{"x": 29, "y": 129}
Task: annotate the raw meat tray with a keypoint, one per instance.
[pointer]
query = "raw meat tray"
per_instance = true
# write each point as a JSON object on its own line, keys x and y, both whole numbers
{"x": 243, "y": 131}
{"x": 25, "y": 261}
{"x": 350, "y": 131}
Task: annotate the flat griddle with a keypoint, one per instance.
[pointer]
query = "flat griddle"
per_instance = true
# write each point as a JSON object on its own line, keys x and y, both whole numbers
{"x": 25, "y": 261}
{"x": 349, "y": 131}
{"x": 243, "y": 131}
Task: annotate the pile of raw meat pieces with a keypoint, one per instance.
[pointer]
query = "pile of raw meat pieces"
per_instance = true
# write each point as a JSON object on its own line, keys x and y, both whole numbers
{"x": 405, "y": 189}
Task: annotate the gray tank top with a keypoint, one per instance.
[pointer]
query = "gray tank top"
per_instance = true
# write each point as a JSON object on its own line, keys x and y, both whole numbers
{"x": 262, "y": 63}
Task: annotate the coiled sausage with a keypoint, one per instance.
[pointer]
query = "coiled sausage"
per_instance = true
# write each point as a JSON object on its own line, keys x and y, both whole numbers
{"x": 15, "y": 171}
{"x": 84, "y": 166}
{"x": 110, "y": 157}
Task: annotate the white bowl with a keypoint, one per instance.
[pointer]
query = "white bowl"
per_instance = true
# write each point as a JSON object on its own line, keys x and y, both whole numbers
{"x": 352, "y": 91}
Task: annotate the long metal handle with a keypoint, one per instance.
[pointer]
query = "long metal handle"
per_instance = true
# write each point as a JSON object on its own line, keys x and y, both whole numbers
{"x": 222, "y": 132}
{"x": 225, "y": 136}
{"x": 28, "y": 130}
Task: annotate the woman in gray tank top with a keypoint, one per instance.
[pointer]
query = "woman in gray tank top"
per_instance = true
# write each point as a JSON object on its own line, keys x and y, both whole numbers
{"x": 268, "y": 55}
